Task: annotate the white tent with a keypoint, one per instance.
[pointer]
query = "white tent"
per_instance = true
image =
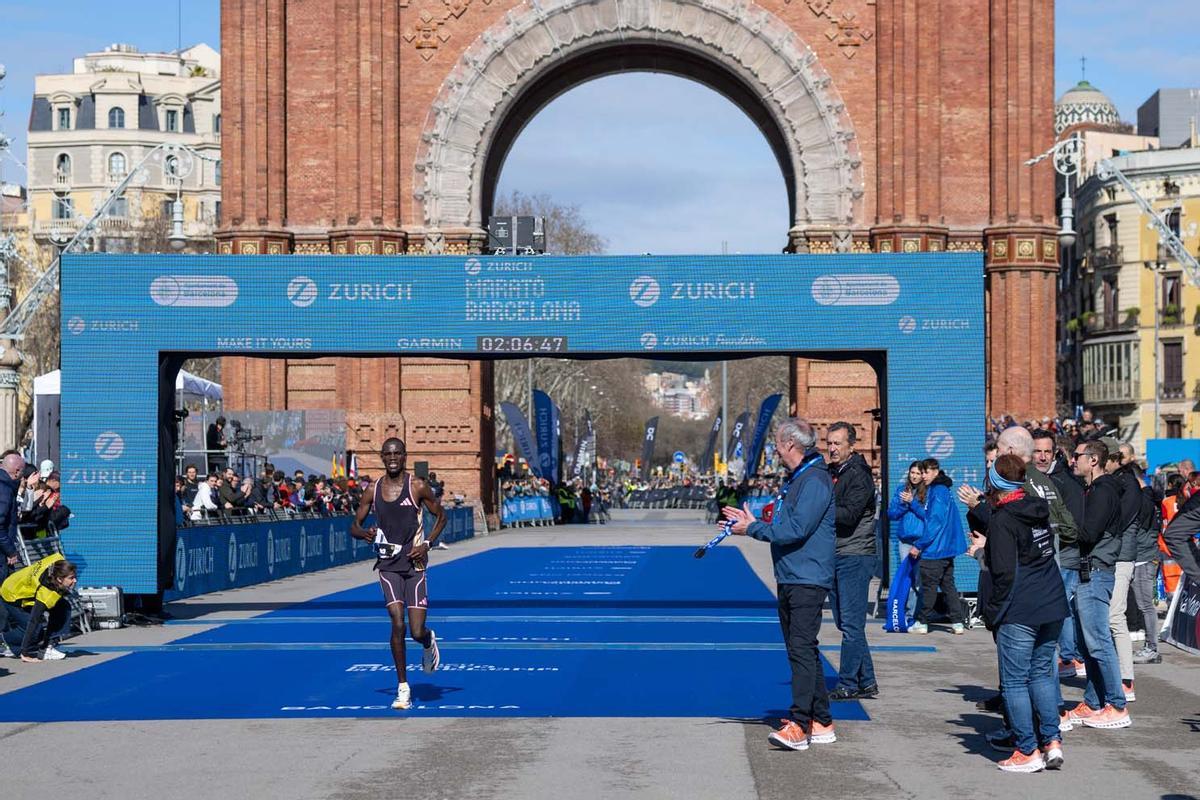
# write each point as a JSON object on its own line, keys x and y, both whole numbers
{"x": 187, "y": 386}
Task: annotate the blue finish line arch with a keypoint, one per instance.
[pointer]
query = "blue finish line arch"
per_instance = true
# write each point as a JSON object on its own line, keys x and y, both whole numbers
{"x": 129, "y": 320}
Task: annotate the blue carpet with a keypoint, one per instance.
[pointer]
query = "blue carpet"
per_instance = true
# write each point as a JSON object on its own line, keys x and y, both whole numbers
{"x": 527, "y": 632}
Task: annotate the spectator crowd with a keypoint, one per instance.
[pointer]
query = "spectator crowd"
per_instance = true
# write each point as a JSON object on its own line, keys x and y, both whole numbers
{"x": 224, "y": 495}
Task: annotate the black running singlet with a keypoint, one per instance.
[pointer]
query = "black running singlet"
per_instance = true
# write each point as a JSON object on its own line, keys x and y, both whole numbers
{"x": 400, "y": 521}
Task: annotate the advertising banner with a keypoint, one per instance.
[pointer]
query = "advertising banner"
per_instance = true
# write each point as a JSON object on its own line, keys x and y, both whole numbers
{"x": 706, "y": 461}
{"x": 1182, "y": 626}
{"x": 765, "y": 411}
{"x": 546, "y": 424}
{"x": 648, "y": 444}
{"x": 523, "y": 437}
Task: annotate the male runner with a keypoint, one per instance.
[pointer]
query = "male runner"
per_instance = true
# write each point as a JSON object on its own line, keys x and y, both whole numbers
{"x": 399, "y": 538}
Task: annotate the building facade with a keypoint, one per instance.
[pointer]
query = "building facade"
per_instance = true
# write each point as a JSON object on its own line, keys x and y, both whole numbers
{"x": 900, "y": 126}
{"x": 1137, "y": 319}
{"x": 1170, "y": 114}
{"x": 90, "y": 128}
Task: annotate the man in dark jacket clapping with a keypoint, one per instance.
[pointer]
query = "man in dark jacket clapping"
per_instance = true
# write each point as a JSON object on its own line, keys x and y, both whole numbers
{"x": 854, "y": 502}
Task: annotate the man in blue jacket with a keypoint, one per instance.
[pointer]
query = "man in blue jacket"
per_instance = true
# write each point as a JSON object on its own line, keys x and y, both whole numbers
{"x": 800, "y": 528}
{"x": 11, "y": 467}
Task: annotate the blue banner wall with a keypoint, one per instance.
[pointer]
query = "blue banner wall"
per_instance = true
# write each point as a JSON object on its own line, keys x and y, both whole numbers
{"x": 523, "y": 437}
{"x": 920, "y": 314}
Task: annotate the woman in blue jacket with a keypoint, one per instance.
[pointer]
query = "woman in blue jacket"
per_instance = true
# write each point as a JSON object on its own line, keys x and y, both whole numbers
{"x": 937, "y": 547}
{"x": 907, "y": 512}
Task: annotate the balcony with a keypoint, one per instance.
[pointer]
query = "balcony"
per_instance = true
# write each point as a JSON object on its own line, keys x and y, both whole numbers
{"x": 56, "y": 228}
{"x": 1110, "y": 372}
{"x": 62, "y": 179}
{"x": 1111, "y": 256}
{"x": 1171, "y": 390}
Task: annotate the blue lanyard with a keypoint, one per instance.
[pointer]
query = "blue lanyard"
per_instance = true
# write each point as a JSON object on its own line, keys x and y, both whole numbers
{"x": 814, "y": 458}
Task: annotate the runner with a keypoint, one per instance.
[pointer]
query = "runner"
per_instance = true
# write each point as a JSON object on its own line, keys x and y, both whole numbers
{"x": 399, "y": 538}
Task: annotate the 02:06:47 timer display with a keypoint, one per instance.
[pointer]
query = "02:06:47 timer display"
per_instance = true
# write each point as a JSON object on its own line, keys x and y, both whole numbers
{"x": 522, "y": 344}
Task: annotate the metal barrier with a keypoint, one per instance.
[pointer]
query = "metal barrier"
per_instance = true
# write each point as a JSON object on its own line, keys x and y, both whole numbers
{"x": 527, "y": 511}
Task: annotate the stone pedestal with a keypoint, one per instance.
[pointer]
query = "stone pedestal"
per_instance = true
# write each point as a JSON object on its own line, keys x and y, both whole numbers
{"x": 10, "y": 362}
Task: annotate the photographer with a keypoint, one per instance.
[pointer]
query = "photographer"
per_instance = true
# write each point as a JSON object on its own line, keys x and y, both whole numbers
{"x": 803, "y": 541}
{"x": 32, "y": 594}
{"x": 215, "y": 444}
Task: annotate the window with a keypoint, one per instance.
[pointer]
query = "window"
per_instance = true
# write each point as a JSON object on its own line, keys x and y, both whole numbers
{"x": 1110, "y": 223}
{"x": 1174, "y": 426}
{"x": 116, "y": 118}
{"x": 1112, "y": 304}
{"x": 216, "y": 123}
{"x": 1172, "y": 296}
{"x": 217, "y": 173}
{"x": 116, "y": 165}
{"x": 1173, "y": 220}
{"x": 119, "y": 207}
{"x": 217, "y": 207}
{"x": 63, "y": 208}
{"x": 172, "y": 121}
{"x": 62, "y": 168}
{"x": 1172, "y": 369}
{"x": 165, "y": 211}
{"x": 64, "y": 119}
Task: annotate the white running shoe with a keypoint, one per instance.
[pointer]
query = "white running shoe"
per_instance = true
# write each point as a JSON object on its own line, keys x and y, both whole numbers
{"x": 431, "y": 659}
{"x": 403, "y": 700}
{"x": 52, "y": 653}
{"x": 918, "y": 627}
{"x": 5, "y": 650}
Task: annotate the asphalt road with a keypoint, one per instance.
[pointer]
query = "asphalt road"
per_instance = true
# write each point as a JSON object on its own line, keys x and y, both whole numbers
{"x": 924, "y": 738}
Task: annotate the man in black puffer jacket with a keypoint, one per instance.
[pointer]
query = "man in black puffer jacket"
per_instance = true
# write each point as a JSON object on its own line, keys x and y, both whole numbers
{"x": 854, "y": 500}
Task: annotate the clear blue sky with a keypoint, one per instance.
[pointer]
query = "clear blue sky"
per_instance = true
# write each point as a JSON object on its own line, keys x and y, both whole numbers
{"x": 657, "y": 164}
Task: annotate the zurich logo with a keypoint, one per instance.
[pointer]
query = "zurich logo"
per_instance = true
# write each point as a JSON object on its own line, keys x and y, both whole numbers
{"x": 110, "y": 445}
{"x": 302, "y": 291}
{"x": 907, "y": 324}
{"x": 331, "y": 534}
{"x": 473, "y": 266}
{"x": 649, "y": 341}
{"x": 232, "y": 557}
{"x": 270, "y": 553}
{"x": 644, "y": 291}
{"x": 76, "y": 325}
{"x": 180, "y": 565}
{"x": 939, "y": 444}
{"x": 303, "y": 547}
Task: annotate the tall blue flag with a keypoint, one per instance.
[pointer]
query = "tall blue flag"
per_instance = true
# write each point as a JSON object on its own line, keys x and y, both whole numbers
{"x": 546, "y": 424}
{"x": 765, "y": 412}
{"x": 523, "y": 437}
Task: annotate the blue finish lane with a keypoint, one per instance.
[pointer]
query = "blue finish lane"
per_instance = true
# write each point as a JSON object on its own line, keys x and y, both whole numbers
{"x": 526, "y": 632}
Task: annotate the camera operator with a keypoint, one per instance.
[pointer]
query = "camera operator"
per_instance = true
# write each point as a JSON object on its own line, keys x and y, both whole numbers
{"x": 215, "y": 444}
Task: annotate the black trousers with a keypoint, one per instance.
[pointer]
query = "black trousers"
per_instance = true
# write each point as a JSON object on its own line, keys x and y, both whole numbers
{"x": 800, "y": 618}
{"x": 935, "y": 573}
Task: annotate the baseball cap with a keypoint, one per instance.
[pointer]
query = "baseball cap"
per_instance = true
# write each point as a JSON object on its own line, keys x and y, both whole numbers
{"x": 1111, "y": 443}
{"x": 46, "y": 468}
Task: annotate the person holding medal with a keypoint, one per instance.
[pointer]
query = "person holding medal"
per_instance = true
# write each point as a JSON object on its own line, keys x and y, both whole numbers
{"x": 403, "y": 550}
{"x": 799, "y": 525}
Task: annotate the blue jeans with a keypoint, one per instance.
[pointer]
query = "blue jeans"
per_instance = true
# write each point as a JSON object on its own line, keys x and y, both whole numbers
{"x": 1096, "y": 643}
{"x": 1067, "y": 649}
{"x": 848, "y": 601}
{"x": 1029, "y": 681}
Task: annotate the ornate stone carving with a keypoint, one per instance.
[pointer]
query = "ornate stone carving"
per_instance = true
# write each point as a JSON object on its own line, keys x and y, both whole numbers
{"x": 534, "y": 37}
{"x": 845, "y": 29}
{"x": 428, "y": 32}
{"x": 312, "y": 248}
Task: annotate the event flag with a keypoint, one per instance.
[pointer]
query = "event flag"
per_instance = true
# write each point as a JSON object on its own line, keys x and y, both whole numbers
{"x": 353, "y": 465}
{"x": 545, "y": 421}
{"x": 648, "y": 444}
{"x": 765, "y": 412}
{"x": 522, "y": 436}
{"x": 736, "y": 437}
{"x": 583, "y": 444}
{"x": 707, "y": 459}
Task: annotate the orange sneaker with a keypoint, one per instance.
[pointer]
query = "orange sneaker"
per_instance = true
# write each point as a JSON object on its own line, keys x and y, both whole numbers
{"x": 791, "y": 736}
{"x": 1109, "y": 717}
{"x": 1019, "y": 762}
{"x": 1052, "y": 754}
{"x": 822, "y": 734}
{"x": 1081, "y": 712}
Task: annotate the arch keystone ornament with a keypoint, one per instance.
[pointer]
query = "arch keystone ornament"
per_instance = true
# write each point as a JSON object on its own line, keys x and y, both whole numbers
{"x": 748, "y": 46}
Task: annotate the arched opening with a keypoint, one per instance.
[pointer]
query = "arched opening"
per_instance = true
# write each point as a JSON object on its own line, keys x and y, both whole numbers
{"x": 607, "y": 60}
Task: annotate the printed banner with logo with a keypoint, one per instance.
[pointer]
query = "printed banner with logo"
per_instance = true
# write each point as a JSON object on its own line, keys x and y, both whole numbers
{"x": 706, "y": 461}
{"x": 736, "y": 435}
{"x": 212, "y": 558}
{"x": 119, "y": 335}
{"x": 1182, "y": 627}
{"x": 584, "y": 444}
{"x": 546, "y": 424}
{"x": 523, "y": 437}
{"x": 765, "y": 411}
{"x": 648, "y": 444}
